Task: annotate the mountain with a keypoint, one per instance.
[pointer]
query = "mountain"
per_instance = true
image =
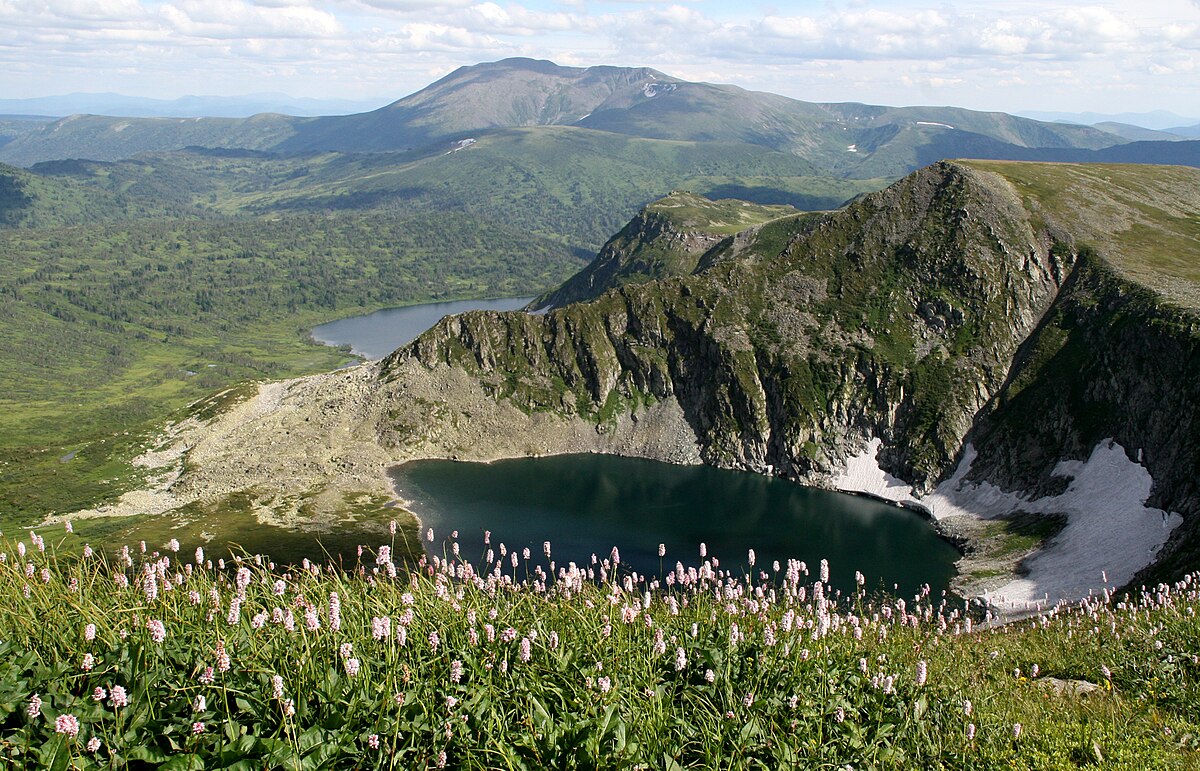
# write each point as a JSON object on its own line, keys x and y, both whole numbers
{"x": 999, "y": 343}
{"x": 1160, "y": 120}
{"x": 848, "y": 140}
{"x": 1137, "y": 133}
{"x": 120, "y": 105}
{"x": 669, "y": 237}
{"x": 1186, "y": 131}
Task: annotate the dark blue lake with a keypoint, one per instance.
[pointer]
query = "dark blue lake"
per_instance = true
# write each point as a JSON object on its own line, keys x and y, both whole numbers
{"x": 586, "y": 504}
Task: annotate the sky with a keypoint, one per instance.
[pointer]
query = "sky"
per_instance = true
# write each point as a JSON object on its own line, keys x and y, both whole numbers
{"x": 1106, "y": 56}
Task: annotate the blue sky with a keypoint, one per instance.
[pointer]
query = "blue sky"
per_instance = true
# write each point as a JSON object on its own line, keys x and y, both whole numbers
{"x": 1104, "y": 56}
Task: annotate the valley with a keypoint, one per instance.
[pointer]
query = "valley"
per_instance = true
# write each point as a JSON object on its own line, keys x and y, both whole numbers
{"x": 733, "y": 321}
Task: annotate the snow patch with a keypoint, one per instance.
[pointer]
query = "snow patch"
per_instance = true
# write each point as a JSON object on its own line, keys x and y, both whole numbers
{"x": 852, "y": 149}
{"x": 461, "y": 144}
{"x": 932, "y": 123}
{"x": 650, "y": 90}
{"x": 120, "y": 127}
{"x": 1110, "y": 530}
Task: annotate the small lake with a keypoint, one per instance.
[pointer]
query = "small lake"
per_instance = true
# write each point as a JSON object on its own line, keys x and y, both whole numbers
{"x": 586, "y": 504}
{"x": 377, "y": 334}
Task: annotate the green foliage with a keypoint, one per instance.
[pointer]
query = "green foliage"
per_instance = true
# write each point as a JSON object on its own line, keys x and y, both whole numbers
{"x": 259, "y": 669}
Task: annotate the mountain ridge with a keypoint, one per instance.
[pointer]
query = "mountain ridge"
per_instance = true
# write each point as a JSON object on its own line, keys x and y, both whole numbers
{"x": 633, "y": 101}
{"x": 943, "y": 318}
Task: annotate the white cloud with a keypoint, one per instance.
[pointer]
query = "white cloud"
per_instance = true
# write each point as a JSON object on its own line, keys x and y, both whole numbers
{"x": 868, "y": 50}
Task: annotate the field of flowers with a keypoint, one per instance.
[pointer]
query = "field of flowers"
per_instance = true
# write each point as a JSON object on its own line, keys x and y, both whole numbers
{"x": 157, "y": 658}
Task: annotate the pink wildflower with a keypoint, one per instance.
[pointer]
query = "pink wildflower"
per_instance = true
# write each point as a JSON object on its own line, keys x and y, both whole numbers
{"x": 207, "y": 677}
{"x": 67, "y": 724}
{"x": 922, "y": 672}
{"x": 335, "y": 611}
{"x": 352, "y": 667}
{"x": 35, "y": 706}
{"x": 1016, "y": 731}
{"x": 118, "y": 697}
{"x": 158, "y": 630}
{"x": 373, "y": 739}
{"x": 88, "y": 662}
{"x": 99, "y": 694}
{"x": 276, "y": 686}
{"x": 89, "y": 632}
{"x": 93, "y": 745}
{"x": 197, "y": 727}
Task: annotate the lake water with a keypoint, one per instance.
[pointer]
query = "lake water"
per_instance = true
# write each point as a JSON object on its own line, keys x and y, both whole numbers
{"x": 586, "y": 504}
{"x": 377, "y": 334}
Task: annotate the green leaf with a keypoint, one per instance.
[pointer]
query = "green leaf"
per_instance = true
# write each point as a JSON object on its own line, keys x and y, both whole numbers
{"x": 670, "y": 764}
{"x": 541, "y": 717}
{"x": 187, "y": 762}
{"x": 147, "y": 752}
{"x": 55, "y": 754}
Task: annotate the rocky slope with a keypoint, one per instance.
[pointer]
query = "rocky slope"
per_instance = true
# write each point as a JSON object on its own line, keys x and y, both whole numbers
{"x": 976, "y": 338}
{"x": 1031, "y": 313}
{"x": 669, "y": 237}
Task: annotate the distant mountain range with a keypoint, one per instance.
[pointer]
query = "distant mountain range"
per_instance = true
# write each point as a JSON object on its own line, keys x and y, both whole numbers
{"x": 846, "y": 140}
{"x": 1158, "y": 120}
{"x": 120, "y": 105}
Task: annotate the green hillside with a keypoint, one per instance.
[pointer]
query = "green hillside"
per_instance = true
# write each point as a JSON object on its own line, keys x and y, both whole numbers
{"x": 159, "y": 279}
{"x": 848, "y": 140}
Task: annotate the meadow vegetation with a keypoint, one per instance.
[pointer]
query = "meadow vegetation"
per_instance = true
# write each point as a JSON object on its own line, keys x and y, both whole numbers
{"x": 161, "y": 659}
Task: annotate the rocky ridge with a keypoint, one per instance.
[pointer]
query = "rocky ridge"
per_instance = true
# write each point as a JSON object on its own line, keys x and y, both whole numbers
{"x": 956, "y": 309}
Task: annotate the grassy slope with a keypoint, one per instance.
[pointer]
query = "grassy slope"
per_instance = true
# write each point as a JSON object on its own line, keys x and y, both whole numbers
{"x": 751, "y": 672}
{"x": 1144, "y": 220}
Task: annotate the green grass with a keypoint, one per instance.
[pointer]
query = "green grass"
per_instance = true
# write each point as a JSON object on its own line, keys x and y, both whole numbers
{"x": 1118, "y": 209}
{"x": 489, "y": 667}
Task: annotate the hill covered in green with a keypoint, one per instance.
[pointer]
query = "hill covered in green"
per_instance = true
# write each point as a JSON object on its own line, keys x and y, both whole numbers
{"x": 845, "y": 140}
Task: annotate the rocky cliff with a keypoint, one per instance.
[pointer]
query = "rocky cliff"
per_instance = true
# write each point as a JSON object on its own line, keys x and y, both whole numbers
{"x": 669, "y": 237}
{"x": 897, "y": 317}
{"x": 1013, "y": 347}
{"x": 1028, "y": 311}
